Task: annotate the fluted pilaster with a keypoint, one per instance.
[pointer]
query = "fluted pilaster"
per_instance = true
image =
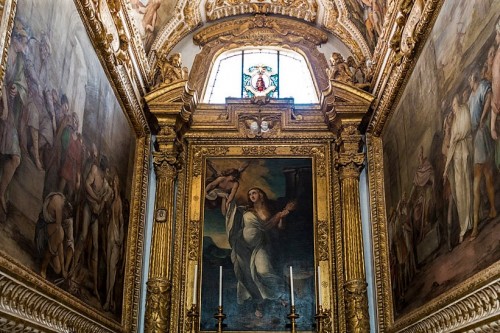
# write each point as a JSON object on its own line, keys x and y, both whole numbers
{"x": 349, "y": 163}
{"x": 158, "y": 299}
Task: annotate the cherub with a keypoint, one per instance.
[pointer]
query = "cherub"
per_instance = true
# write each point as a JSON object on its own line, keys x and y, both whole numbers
{"x": 224, "y": 186}
{"x": 340, "y": 70}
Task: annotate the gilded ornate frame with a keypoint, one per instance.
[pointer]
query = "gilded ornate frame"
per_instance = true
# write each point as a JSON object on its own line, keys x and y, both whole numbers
{"x": 325, "y": 232}
{"x": 27, "y": 301}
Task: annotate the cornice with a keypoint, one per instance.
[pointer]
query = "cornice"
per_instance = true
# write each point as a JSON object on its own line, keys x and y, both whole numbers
{"x": 399, "y": 68}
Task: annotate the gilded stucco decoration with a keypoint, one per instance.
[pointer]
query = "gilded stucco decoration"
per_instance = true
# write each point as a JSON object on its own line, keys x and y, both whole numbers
{"x": 194, "y": 240}
{"x": 348, "y": 31}
{"x": 350, "y": 71}
{"x": 302, "y": 9}
{"x": 169, "y": 69}
{"x": 23, "y": 308}
{"x": 403, "y": 41}
{"x": 260, "y": 127}
{"x": 187, "y": 17}
{"x": 158, "y": 306}
{"x": 258, "y": 31}
{"x": 7, "y": 11}
{"x": 390, "y": 89}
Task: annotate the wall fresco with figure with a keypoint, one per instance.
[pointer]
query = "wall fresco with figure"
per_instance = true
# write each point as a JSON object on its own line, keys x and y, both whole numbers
{"x": 66, "y": 152}
{"x": 442, "y": 161}
{"x": 258, "y": 221}
{"x": 149, "y": 16}
{"x": 368, "y": 17}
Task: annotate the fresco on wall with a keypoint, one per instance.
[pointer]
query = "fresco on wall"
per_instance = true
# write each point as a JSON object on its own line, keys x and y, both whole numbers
{"x": 368, "y": 17}
{"x": 66, "y": 154}
{"x": 150, "y": 16}
{"x": 442, "y": 158}
{"x": 257, "y": 223}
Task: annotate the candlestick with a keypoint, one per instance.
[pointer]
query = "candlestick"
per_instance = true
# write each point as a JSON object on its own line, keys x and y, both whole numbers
{"x": 320, "y": 298}
{"x": 293, "y": 316}
{"x": 220, "y": 316}
{"x": 192, "y": 321}
{"x": 321, "y": 319}
{"x": 291, "y": 286}
{"x": 220, "y": 285}
{"x": 195, "y": 284}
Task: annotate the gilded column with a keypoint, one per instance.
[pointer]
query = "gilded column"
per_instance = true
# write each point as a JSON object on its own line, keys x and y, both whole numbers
{"x": 158, "y": 298}
{"x": 349, "y": 163}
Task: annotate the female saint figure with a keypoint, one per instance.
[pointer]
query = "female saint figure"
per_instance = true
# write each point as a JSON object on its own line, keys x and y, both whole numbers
{"x": 251, "y": 254}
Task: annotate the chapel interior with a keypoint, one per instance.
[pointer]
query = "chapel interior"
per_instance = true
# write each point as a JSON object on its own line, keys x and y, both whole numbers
{"x": 313, "y": 95}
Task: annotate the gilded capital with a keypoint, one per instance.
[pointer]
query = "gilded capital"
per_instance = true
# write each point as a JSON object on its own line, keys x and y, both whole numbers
{"x": 165, "y": 164}
{"x": 350, "y": 157}
{"x": 158, "y": 306}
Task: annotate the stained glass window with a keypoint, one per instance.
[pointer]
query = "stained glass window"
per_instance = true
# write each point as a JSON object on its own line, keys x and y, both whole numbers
{"x": 269, "y": 73}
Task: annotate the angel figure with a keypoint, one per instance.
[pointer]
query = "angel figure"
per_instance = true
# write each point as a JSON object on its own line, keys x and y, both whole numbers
{"x": 224, "y": 186}
{"x": 340, "y": 70}
{"x": 254, "y": 128}
{"x": 171, "y": 69}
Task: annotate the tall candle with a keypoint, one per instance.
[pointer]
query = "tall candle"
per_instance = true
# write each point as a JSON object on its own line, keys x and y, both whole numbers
{"x": 220, "y": 285}
{"x": 195, "y": 284}
{"x": 291, "y": 286}
{"x": 320, "y": 298}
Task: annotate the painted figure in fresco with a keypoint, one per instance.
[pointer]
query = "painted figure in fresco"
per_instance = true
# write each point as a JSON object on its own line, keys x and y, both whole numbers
{"x": 54, "y": 235}
{"x": 249, "y": 237}
{"x": 65, "y": 123}
{"x": 98, "y": 192}
{"x": 37, "y": 124}
{"x": 14, "y": 97}
{"x": 423, "y": 192}
{"x": 459, "y": 160}
{"x": 115, "y": 238}
{"x": 224, "y": 186}
{"x": 71, "y": 159}
{"x": 495, "y": 86}
{"x": 407, "y": 266}
{"x": 447, "y": 191}
{"x": 479, "y": 107}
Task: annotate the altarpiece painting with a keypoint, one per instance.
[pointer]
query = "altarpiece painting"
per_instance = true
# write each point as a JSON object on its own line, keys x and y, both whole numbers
{"x": 258, "y": 221}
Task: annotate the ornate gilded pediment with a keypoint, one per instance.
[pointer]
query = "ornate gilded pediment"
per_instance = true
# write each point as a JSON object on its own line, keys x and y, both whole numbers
{"x": 303, "y": 9}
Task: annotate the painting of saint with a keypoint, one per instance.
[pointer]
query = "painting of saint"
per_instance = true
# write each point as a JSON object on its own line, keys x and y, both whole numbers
{"x": 448, "y": 187}
{"x": 66, "y": 153}
{"x": 258, "y": 223}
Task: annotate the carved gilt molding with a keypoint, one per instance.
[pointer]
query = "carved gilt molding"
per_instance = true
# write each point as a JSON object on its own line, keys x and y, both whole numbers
{"x": 258, "y": 30}
{"x": 186, "y": 19}
{"x": 397, "y": 74}
{"x": 352, "y": 35}
{"x": 24, "y": 306}
{"x": 7, "y": 15}
{"x": 158, "y": 301}
{"x": 306, "y": 10}
{"x": 375, "y": 169}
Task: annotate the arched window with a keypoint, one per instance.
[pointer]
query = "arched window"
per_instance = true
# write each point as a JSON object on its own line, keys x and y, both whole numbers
{"x": 246, "y": 73}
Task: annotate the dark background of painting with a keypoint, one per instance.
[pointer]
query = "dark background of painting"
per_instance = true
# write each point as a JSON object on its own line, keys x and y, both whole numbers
{"x": 289, "y": 179}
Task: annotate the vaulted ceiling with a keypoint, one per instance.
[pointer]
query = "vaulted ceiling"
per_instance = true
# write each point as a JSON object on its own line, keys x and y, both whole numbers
{"x": 357, "y": 24}
{"x": 386, "y": 35}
